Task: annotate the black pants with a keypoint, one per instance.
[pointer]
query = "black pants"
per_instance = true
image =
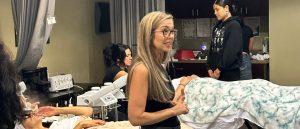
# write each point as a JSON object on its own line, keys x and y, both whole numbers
{"x": 230, "y": 75}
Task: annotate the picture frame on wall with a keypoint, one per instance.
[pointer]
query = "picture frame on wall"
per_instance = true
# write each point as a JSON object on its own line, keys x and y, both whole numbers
{"x": 189, "y": 28}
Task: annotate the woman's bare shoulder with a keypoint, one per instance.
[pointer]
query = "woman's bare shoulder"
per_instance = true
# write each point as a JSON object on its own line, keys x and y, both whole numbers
{"x": 140, "y": 68}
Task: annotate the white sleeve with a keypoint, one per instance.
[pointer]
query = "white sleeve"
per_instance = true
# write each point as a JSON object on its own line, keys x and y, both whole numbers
{"x": 19, "y": 126}
{"x": 68, "y": 123}
{"x": 176, "y": 82}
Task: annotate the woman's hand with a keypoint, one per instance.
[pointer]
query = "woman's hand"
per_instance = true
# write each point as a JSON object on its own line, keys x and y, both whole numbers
{"x": 217, "y": 73}
{"x": 180, "y": 89}
{"x": 185, "y": 80}
{"x": 211, "y": 74}
{"x": 47, "y": 111}
{"x": 179, "y": 106}
{"x": 89, "y": 123}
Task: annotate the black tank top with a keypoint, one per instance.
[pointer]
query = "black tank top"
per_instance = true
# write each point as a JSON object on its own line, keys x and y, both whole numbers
{"x": 153, "y": 106}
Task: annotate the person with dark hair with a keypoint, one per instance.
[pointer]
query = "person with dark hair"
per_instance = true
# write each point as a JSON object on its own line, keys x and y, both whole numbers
{"x": 246, "y": 69}
{"x": 10, "y": 103}
{"x": 225, "y": 54}
{"x": 117, "y": 58}
{"x": 79, "y": 121}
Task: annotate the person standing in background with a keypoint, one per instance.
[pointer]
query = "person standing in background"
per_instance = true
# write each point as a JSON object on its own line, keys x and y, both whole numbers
{"x": 225, "y": 54}
{"x": 10, "y": 102}
{"x": 153, "y": 103}
{"x": 248, "y": 39}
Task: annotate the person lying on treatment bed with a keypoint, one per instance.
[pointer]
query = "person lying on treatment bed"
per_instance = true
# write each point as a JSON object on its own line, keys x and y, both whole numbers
{"x": 81, "y": 120}
{"x": 219, "y": 104}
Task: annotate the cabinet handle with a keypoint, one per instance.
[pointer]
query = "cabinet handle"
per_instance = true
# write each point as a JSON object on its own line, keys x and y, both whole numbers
{"x": 241, "y": 11}
{"x": 246, "y": 10}
{"x": 197, "y": 12}
{"x": 192, "y": 12}
{"x": 179, "y": 69}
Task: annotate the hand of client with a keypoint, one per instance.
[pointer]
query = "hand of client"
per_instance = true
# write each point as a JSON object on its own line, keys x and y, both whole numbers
{"x": 88, "y": 123}
{"x": 180, "y": 89}
{"x": 47, "y": 111}
{"x": 179, "y": 106}
{"x": 178, "y": 101}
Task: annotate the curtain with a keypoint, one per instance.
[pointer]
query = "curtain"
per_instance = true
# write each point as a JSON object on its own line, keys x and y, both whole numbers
{"x": 33, "y": 20}
{"x": 125, "y": 16}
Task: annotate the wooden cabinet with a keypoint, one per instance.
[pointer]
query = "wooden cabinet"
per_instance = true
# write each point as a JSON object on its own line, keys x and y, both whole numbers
{"x": 260, "y": 69}
{"x": 254, "y": 8}
{"x": 204, "y": 8}
{"x": 188, "y": 68}
{"x": 190, "y": 8}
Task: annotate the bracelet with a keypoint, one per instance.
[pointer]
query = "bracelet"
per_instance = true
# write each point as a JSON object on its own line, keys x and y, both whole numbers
{"x": 181, "y": 84}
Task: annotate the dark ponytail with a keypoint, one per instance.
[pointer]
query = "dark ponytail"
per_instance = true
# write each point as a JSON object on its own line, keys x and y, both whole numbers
{"x": 107, "y": 57}
{"x": 115, "y": 53}
{"x": 232, "y": 4}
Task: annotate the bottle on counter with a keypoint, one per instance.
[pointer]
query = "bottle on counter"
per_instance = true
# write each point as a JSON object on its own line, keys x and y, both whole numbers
{"x": 265, "y": 45}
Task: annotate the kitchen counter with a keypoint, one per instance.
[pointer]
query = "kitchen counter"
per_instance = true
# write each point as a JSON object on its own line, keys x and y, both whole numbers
{"x": 260, "y": 68}
{"x": 204, "y": 61}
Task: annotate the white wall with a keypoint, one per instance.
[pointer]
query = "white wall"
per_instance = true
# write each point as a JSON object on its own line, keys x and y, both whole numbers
{"x": 284, "y": 42}
{"x": 6, "y": 26}
{"x": 74, "y": 47}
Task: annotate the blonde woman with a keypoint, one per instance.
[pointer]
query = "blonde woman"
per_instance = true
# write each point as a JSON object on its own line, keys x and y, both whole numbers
{"x": 152, "y": 100}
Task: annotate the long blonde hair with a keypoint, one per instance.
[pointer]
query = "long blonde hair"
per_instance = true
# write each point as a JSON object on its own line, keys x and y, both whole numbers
{"x": 157, "y": 85}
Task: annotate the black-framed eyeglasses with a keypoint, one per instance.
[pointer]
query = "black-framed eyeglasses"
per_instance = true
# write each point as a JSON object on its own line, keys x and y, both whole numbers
{"x": 27, "y": 113}
{"x": 168, "y": 32}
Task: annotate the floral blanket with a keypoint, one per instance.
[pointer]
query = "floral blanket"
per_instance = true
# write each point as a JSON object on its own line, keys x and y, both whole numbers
{"x": 273, "y": 106}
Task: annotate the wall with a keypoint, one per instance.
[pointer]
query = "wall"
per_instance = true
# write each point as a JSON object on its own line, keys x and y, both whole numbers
{"x": 74, "y": 47}
{"x": 6, "y": 26}
{"x": 284, "y": 42}
{"x": 100, "y": 41}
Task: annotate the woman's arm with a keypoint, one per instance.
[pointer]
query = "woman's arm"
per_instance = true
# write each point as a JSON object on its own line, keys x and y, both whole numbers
{"x": 89, "y": 123}
{"x": 120, "y": 74}
{"x": 52, "y": 111}
{"x": 181, "y": 86}
{"x": 137, "y": 101}
{"x": 251, "y": 42}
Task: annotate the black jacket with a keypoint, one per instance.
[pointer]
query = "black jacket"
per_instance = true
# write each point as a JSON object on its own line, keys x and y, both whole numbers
{"x": 226, "y": 46}
{"x": 247, "y": 34}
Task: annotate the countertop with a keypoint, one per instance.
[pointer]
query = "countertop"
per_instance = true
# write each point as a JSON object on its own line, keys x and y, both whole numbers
{"x": 204, "y": 61}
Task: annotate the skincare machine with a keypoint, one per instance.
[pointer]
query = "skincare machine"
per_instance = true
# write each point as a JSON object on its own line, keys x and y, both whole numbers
{"x": 104, "y": 98}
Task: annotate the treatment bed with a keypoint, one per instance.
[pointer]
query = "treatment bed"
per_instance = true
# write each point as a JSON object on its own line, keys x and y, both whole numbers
{"x": 215, "y": 104}
{"x": 126, "y": 125}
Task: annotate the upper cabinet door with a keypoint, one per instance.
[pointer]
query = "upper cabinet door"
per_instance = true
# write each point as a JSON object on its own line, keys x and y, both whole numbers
{"x": 190, "y": 8}
{"x": 204, "y": 8}
{"x": 264, "y": 7}
{"x": 254, "y": 7}
{"x": 179, "y": 8}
